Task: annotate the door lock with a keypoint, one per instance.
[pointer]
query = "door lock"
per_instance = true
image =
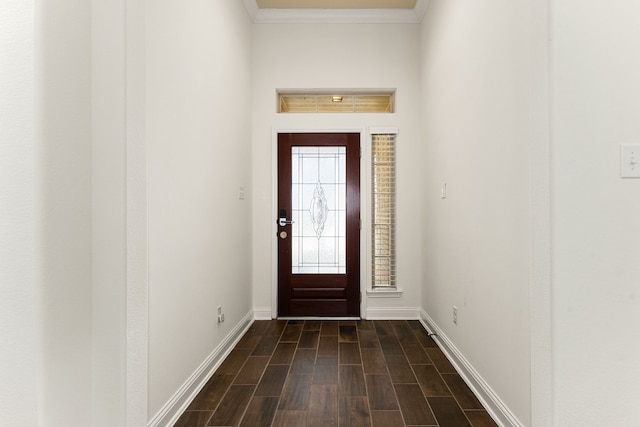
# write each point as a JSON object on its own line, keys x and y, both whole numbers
{"x": 283, "y": 219}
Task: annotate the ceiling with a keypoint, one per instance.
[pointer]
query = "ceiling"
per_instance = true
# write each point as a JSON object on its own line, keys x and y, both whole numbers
{"x": 341, "y": 11}
{"x": 336, "y": 4}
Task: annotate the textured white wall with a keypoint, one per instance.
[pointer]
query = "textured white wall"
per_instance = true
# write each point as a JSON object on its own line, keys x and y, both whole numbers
{"x": 475, "y": 81}
{"x": 325, "y": 56}
{"x": 18, "y": 326}
{"x": 596, "y": 232}
{"x": 63, "y": 209}
{"x": 199, "y": 153}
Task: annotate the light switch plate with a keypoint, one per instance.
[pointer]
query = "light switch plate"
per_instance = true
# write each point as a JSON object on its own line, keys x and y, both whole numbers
{"x": 630, "y": 160}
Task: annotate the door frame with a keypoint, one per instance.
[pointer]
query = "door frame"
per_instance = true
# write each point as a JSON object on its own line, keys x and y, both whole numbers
{"x": 364, "y": 182}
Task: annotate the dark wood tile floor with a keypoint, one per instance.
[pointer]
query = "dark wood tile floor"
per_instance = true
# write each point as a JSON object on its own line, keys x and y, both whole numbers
{"x": 335, "y": 373}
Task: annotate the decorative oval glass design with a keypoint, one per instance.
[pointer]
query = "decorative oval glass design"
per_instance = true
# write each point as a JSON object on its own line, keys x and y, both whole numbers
{"x": 318, "y": 210}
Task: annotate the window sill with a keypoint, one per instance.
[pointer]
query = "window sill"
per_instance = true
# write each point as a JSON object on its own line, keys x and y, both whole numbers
{"x": 384, "y": 293}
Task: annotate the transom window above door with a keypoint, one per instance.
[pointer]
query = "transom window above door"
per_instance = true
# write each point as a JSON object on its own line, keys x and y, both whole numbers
{"x": 338, "y": 101}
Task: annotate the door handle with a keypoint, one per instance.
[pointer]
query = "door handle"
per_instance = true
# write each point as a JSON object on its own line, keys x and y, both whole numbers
{"x": 283, "y": 218}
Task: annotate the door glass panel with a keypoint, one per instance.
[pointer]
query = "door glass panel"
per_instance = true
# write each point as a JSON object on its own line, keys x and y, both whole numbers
{"x": 318, "y": 198}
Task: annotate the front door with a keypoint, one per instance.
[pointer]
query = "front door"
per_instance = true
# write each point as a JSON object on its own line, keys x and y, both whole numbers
{"x": 319, "y": 224}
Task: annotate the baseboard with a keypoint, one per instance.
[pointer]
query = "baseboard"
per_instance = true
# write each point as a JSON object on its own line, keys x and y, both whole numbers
{"x": 262, "y": 313}
{"x": 394, "y": 313}
{"x": 171, "y": 411}
{"x": 489, "y": 399}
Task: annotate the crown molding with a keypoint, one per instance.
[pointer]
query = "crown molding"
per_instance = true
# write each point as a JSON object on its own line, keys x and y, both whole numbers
{"x": 272, "y": 16}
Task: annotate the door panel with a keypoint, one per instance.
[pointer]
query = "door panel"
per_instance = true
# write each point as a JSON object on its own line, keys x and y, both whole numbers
{"x": 319, "y": 224}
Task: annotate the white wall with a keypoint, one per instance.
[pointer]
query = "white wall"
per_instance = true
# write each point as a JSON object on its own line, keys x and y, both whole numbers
{"x": 475, "y": 132}
{"x": 596, "y": 233}
{"x": 325, "y": 56}
{"x": 63, "y": 209}
{"x": 18, "y": 326}
{"x": 109, "y": 116}
{"x": 199, "y": 153}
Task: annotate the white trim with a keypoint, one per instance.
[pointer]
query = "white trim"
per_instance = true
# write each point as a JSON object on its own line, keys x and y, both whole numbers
{"x": 274, "y": 209}
{"x": 386, "y": 16}
{"x": 178, "y": 403}
{"x": 263, "y": 313}
{"x": 384, "y": 293}
{"x": 393, "y": 313}
{"x": 498, "y": 410}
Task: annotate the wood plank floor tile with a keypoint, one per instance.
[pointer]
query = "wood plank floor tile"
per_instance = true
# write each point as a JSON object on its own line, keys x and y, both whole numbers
{"x": 193, "y": 419}
{"x": 365, "y": 325}
{"x": 348, "y": 334}
{"x": 354, "y": 412}
{"x": 480, "y": 418}
{"x": 212, "y": 393}
{"x": 273, "y": 380}
{"x": 368, "y": 339}
{"x": 323, "y": 406}
{"x": 260, "y": 412}
{"x": 232, "y": 406}
{"x": 349, "y": 353}
{"x": 328, "y": 346}
{"x": 440, "y": 361}
{"x": 466, "y": 399}
{"x": 296, "y": 392}
{"x": 291, "y": 333}
{"x": 390, "y": 345}
{"x": 329, "y": 328}
{"x": 283, "y": 354}
{"x": 234, "y": 361}
{"x": 303, "y": 373}
{"x": 430, "y": 381}
{"x": 303, "y": 361}
{"x": 312, "y": 325}
{"x": 373, "y": 361}
{"x": 252, "y": 370}
{"x": 259, "y": 326}
{"x": 290, "y": 419}
{"x": 413, "y": 405}
{"x": 351, "y": 381}
{"x": 400, "y": 370}
{"x": 415, "y": 353}
{"x": 424, "y": 339}
{"x": 309, "y": 339}
{"x": 403, "y": 332}
{"x": 266, "y": 346}
{"x": 326, "y": 370}
{"x": 447, "y": 412}
{"x": 381, "y": 394}
{"x": 383, "y": 327}
{"x": 274, "y": 327}
{"x": 386, "y": 419}
{"x": 250, "y": 340}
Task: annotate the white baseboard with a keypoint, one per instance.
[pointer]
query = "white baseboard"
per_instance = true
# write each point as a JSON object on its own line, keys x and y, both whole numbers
{"x": 262, "y": 313}
{"x": 489, "y": 399}
{"x": 397, "y": 313}
{"x": 171, "y": 411}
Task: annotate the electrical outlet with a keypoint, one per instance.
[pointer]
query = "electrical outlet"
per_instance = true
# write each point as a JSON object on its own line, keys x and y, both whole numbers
{"x": 220, "y": 314}
{"x": 455, "y": 315}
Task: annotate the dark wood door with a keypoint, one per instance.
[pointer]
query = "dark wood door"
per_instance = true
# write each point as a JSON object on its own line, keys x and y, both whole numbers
{"x": 319, "y": 224}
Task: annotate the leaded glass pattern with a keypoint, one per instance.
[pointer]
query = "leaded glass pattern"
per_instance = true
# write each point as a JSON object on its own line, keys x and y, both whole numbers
{"x": 318, "y": 199}
{"x": 383, "y": 210}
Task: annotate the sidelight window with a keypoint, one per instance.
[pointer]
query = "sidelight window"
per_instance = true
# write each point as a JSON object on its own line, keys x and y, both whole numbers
{"x": 383, "y": 210}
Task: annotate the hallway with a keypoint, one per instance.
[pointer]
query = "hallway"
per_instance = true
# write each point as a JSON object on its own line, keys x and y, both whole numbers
{"x": 335, "y": 373}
